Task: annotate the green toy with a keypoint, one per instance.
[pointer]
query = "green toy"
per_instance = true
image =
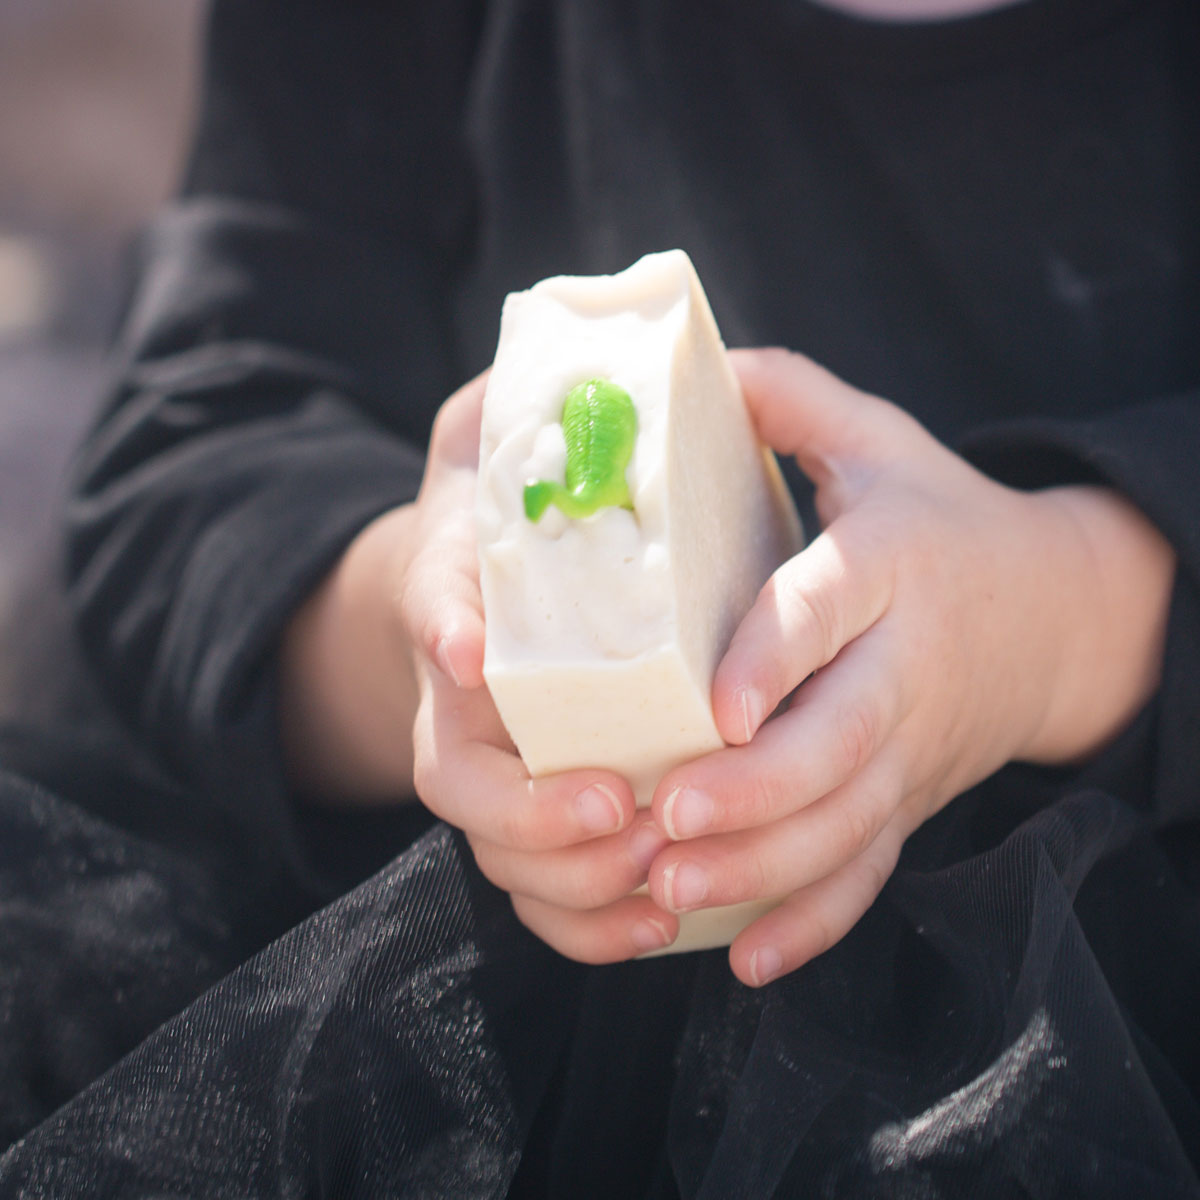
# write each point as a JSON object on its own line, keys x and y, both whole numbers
{"x": 600, "y": 427}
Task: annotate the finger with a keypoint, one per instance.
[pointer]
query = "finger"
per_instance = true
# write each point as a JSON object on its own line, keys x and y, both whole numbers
{"x": 454, "y": 440}
{"x": 801, "y": 409}
{"x": 814, "y": 918}
{"x": 629, "y": 927}
{"x": 779, "y": 858}
{"x": 834, "y": 727}
{"x": 810, "y": 608}
{"x": 439, "y": 601}
{"x": 466, "y": 772}
{"x": 584, "y": 876}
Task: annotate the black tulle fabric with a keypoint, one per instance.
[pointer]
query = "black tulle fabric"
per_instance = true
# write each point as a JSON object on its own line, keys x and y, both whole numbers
{"x": 1019, "y": 1022}
{"x": 210, "y": 988}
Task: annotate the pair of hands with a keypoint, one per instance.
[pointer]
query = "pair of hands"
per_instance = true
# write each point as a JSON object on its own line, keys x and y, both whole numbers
{"x": 939, "y": 626}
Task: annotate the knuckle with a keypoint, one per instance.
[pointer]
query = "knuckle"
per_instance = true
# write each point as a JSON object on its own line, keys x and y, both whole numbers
{"x": 531, "y": 914}
{"x": 822, "y": 932}
{"x": 562, "y": 931}
{"x": 751, "y": 880}
{"x": 401, "y": 603}
{"x": 490, "y": 862}
{"x": 857, "y": 733}
{"x": 525, "y": 822}
{"x": 816, "y": 609}
{"x": 591, "y": 892}
{"x": 514, "y": 830}
{"x": 425, "y": 776}
{"x": 759, "y": 799}
{"x": 442, "y": 430}
{"x": 876, "y": 873}
{"x": 409, "y": 609}
{"x": 857, "y": 831}
{"x": 781, "y": 355}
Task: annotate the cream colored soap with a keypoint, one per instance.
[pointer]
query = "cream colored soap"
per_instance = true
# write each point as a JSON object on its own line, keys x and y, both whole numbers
{"x": 603, "y": 633}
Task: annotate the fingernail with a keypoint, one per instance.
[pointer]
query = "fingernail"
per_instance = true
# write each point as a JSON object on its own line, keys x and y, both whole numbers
{"x": 599, "y": 809}
{"x": 687, "y": 812}
{"x": 648, "y": 935}
{"x": 645, "y": 843}
{"x": 752, "y": 710}
{"x": 442, "y": 653}
{"x": 765, "y": 963}
{"x": 685, "y": 886}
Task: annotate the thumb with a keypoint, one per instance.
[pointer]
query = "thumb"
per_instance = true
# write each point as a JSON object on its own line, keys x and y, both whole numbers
{"x": 454, "y": 440}
{"x": 439, "y": 600}
{"x": 801, "y": 409}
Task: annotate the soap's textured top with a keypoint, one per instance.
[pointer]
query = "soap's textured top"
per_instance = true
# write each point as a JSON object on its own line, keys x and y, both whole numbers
{"x": 577, "y": 590}
{"x": 606, "y": 587}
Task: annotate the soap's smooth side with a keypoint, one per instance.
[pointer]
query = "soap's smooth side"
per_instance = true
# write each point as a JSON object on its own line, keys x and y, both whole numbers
{"x": 603, "y": 634}
{"x": 731, "y": 518}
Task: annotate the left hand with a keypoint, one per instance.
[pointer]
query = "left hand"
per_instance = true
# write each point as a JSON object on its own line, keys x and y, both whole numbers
{"x": 940, "y": 626}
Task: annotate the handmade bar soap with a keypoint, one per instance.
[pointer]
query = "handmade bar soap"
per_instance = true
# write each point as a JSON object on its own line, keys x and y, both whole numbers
{"x": 627, "y": 516}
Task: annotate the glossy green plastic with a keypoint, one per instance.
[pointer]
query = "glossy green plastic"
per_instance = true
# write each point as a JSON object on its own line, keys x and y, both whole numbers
{"x": 600, "y": 427}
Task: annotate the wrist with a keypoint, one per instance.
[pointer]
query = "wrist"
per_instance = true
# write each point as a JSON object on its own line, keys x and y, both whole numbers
{"x": 1109, "y": 584}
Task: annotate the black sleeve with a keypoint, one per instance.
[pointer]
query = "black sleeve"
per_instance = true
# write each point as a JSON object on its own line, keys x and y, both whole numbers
{"x": 1149, "y": 452}
{"x": 283, "y": 356}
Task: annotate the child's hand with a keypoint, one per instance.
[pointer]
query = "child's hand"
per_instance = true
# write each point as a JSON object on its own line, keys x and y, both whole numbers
{"x": 383, "y": 690}
{"x": 940, "y": 626}
{"x": 568, "y": 847}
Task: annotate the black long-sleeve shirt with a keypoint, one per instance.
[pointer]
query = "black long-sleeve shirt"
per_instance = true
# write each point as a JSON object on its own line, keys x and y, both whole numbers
{"x": 993, "y": 222}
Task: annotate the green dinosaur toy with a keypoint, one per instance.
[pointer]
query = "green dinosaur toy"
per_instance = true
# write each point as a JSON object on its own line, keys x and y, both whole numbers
{"x": 600, "y": 426}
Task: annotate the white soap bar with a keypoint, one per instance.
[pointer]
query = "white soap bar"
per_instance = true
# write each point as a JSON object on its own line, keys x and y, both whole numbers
{"x": 603, "y": 633}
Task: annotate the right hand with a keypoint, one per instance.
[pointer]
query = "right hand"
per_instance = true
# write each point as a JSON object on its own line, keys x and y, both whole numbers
{"x": 569, "y": 848}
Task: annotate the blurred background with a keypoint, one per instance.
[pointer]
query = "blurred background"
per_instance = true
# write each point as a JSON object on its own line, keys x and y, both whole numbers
{"x": 96, "y": 100}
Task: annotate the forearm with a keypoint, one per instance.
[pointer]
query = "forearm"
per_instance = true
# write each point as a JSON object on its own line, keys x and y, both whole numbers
{"x": 280, "y": 366}
{"x": 347, "y": 690}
